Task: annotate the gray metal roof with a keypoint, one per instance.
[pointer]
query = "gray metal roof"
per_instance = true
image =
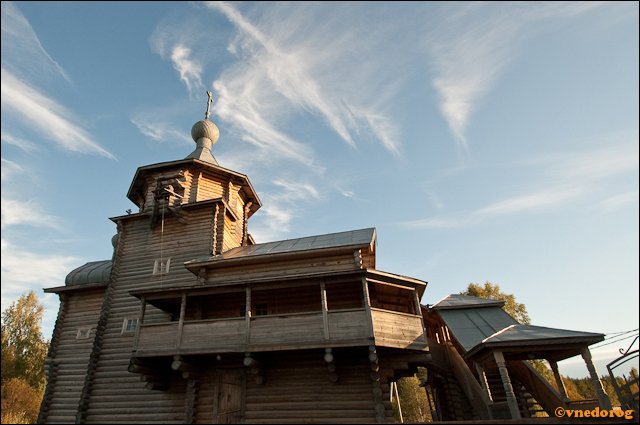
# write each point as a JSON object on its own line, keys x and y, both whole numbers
{"x": 92, "y": 272}
{"x": 471, "y": 326}
{"x": 524, "y": 333}
{"x": 455, "y": 301}
{"x": 332, "y": 240}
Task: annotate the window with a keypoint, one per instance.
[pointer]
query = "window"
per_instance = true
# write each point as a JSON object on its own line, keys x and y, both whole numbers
{"x": 129, "y": 325}
{"x": 161, "y": 267}
{"x": 83, "y": 333}
{"x": 261, "y": 310}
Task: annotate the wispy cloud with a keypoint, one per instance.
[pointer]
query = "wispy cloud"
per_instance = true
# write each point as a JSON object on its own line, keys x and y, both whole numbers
{"x": 9, "y": 169}
{"x": 159, "y": 131}
{"x": 618, "y": 201}
{"x": 550, "y": 197}
{"x": 22, "y": 50}
{"x": 469, "y": 50}
{"x": 573, "y": 176}
{"x": 45, "y": 270}
{"x": 281, "y": 207}
{"x": 23, "y": 144}
{"x": 46, "y": 116}
{"x": 282, "y": 71}
{"x": 189, "y": 69}
{"x": 29, "y": 213}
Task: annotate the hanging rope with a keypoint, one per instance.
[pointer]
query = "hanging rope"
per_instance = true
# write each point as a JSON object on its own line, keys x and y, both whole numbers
{"x": 164, "y": 199}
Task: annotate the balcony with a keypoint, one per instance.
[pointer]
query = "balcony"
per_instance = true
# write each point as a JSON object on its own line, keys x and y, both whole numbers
{"x": 316, "y": 315}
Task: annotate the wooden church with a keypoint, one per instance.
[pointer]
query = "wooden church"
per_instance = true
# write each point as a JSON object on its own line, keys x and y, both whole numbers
{"x": 192, "y": 321}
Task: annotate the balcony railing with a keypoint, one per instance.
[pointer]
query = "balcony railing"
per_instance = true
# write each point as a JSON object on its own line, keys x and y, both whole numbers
{"x": 279, "y": 332}
{"x": 263, "y": 333}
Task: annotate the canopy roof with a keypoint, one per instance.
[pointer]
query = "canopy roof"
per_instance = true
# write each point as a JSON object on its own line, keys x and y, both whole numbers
{"x": 481, "y": 327}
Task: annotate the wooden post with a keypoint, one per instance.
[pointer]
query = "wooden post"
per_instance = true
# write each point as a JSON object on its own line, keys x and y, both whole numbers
{"x": 603, "y": 400}
{"x": 394, "y": 386}
{"x": 325, "y": 318}
{"x": 248, "y": 314}
{"x": 416, "y": 299}
{"x": 483, "y": 382}
{"x": 506, "y": 383}
{"x": 143, "y": 306}
{"x": 556, "y": 373}
{"x": 367, "y": 304}
{"x": 183, "y": 310}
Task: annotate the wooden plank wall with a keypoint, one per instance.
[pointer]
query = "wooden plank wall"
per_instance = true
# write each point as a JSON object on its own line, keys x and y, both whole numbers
{"x": 116, "y": 395}
{"x": 333, "y": 263}
{"x": 72, "y": 356}
{"x": 400, "y": 330}
{"x": 297, "y": 389}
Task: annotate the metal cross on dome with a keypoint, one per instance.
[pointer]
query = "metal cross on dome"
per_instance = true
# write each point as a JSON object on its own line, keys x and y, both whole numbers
{"x": 209, "y": 100}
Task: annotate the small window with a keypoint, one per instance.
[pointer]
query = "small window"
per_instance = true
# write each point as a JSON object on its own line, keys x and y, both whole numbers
{"x": 261, "y": 310}
{"x": 129, "y": 325}
{"x": 83, "y": 333}
{"x": 161, "y": 266}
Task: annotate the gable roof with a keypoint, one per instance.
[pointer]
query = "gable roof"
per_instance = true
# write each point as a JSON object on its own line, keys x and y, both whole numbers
{"x": 473, "y": 325}
{"x": 455, "y": 301}
{"x": 331, "y": 240}
{"x": 352, "y": 238}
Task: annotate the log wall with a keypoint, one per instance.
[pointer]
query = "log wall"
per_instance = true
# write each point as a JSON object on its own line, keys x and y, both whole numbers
{"x": 113, "y": 391}
{"x": 81, "y": 310}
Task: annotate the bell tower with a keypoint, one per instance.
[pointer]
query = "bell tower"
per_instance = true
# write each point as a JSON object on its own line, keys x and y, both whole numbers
{"x": 170, "y": 191}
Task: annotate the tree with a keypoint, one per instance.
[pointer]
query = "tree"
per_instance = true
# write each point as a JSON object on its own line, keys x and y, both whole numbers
{"x": 23, "y": 356}
{"x": 23, "y": 348}
{"x": 492, "y": 292}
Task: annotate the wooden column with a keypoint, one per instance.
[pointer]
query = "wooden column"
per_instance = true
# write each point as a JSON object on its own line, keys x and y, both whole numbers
{"x": 248, "y": 314}
{"x": 394, "y": 390}
{"x": 375, "y": 381}
{"x": 183, "y": 311}
{"x": 483, "y": 382}
{"x": 366, "y": 301}
{"x": 325, "y": 318}
{"x": 556, "y": 373}
{"x": 506, "y": 383}
{"x": 143, "y": 306}
{"x": 603, "y": 400}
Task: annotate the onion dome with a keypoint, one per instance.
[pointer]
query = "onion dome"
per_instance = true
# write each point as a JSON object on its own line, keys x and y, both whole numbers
{"x": 205, "y": 133}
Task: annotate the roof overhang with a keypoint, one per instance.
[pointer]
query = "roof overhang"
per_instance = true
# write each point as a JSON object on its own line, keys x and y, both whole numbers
{"x": 135, "y": 193}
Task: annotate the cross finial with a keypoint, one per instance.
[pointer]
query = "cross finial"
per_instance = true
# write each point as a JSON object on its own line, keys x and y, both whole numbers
{"x": 208, "y": 113}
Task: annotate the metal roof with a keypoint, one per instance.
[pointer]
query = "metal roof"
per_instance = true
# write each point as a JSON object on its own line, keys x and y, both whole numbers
{"x": 524, "y": 333}
{"x": 455, "y": 301}
{"x": 92, "y": 272}
{"x": 471, "y": 326}
{"x": 360, "y": 237}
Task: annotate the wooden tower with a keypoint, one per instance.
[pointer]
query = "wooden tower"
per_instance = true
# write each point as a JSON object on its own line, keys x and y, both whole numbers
{"x": 191, "y": 321}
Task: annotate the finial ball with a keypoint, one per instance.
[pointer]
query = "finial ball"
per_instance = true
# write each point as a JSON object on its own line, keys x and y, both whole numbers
{"x": 205, "y": 129}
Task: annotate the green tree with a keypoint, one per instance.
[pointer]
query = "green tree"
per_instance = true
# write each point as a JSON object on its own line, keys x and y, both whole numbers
{"x": 23, "y": 348}
{"x": 23, "y": 355}
{"x": 413, "y": 401}
{"x": 492, "y": 292}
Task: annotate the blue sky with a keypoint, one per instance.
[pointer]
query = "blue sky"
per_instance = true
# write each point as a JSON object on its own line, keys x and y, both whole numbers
{"x": 484, "y": 141}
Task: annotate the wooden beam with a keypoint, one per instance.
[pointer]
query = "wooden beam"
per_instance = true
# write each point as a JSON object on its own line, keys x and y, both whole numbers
{"x": 143, "y": 306}
{"x": 366, "y": 301}
{"x": 183, "y": 310}
{"x": 325, "y": 319}
{"x": 512, "y": 402}
{"x": 248, "y": 314}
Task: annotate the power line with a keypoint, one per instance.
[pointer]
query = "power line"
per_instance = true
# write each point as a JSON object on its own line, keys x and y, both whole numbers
{"x": 614, "y": 334}
{"x": 613, "y": 342}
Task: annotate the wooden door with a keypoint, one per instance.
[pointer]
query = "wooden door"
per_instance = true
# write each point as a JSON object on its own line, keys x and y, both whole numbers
{"x": 229, "y": 403}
